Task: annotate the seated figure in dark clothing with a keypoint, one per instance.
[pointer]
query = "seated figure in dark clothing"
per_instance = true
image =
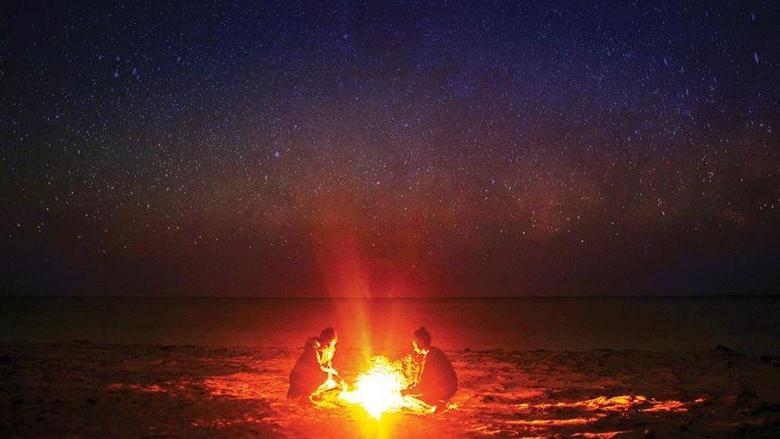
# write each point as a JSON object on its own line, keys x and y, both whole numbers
{"x": 314, "y": 366}
{"x": 437, "y": 381}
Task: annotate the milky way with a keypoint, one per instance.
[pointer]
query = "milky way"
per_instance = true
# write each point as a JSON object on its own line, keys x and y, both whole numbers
{"x": 404, "y": 150}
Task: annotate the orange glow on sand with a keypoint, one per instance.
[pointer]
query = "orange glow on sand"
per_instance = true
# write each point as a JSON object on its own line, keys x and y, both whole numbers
{"x": 620, "y": 403}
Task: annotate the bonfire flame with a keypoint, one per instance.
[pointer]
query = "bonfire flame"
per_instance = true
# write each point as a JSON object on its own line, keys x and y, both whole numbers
{"x": 378, "y": 390}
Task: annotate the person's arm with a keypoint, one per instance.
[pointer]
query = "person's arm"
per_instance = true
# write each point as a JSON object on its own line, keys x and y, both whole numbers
{"x": 415, "y": 388}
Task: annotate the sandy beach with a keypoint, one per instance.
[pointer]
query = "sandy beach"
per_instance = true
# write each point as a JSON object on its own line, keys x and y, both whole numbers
{"x": 84, "y": 389}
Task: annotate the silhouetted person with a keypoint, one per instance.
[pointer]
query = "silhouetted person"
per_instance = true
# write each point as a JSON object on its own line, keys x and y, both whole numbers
{"x": 314, "y": 365}
{"x": 437, "y": 382}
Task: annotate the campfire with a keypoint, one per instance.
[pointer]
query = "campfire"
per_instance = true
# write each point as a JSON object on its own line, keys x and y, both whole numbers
{"x": 378, "y": 390}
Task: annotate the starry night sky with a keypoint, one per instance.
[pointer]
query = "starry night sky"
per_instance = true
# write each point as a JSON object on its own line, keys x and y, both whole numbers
{"x": 408, "y": 149}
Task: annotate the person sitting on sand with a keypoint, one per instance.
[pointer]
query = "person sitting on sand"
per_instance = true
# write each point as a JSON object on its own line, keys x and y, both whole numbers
{"x": 437, "y": 381}
{"x": 314, "y": 366}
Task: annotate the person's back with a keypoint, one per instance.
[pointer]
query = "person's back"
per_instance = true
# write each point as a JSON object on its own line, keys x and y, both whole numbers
{"x": 438, "y": 381}
{"x": 306, "y": 375}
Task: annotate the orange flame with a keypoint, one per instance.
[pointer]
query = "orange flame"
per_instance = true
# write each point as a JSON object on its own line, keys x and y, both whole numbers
{"x": 378, "y": 390}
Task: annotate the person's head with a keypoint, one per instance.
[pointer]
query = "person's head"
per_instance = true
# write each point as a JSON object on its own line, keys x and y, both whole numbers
{"x": 328, "y": 336}
{"x": 326, "y": 347}
{"x": 421, "y": 340}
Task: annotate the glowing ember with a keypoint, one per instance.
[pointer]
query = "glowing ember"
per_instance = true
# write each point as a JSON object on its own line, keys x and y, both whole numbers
{"x": 378, "y": 390}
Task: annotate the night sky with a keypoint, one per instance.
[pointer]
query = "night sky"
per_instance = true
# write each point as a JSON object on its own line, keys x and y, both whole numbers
{"x": 413, "y": 149}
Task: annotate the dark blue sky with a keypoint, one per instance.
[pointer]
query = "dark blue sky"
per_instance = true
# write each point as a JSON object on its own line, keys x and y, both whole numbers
{"x": 182, "y": 148}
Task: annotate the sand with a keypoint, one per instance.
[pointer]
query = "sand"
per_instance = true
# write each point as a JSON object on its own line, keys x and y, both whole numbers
{"x": 84, "y": 389}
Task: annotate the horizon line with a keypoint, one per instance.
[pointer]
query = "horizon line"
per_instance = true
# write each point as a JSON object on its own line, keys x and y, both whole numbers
{"x": 605, "y": 296}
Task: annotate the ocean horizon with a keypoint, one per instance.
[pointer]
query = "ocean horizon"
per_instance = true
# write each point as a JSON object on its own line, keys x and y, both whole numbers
{"x": 383, "y": 324}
